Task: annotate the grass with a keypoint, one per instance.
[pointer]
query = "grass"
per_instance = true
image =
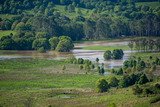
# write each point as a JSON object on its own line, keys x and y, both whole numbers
{"x": 123, "y": 47}
{"x": 84, "y": 12}
{"x": 42, "y": 82}
{"x": 6, "y": 32}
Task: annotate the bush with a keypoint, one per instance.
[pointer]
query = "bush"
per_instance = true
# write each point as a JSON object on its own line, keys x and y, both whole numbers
{"x": 102, "y": 85}
{"x": 113, "y": 82}
{"x": 41, "y": 50}
{"x": 80, "y": 61}
{"x": 143, "y": 79}
{"x": 120, "y": 71}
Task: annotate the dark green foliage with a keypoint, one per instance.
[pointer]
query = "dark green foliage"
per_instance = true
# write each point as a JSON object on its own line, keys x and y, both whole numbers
{"x": 39, "y": 43}
{"x": 101, "y": 71}
{"x": 7, "y": 43}
{"x": 117, "y": 72}
{"x": 65, "y": 44}
{"x": 102, "y": 85}
{"x": 143, "y": 79}
{"x": 117, "y": 54}
{"x": 120, "y": 71}
{"x": 107, "y": 55}
{"x": 113, "y": 19}
{"x": 97, "y": 59}
{"x": 53, "y": 42}
{"x": 80, "y": 61}
{"x": 113, "y": 82}
{"x": 132, "y": 79}
{"x": 124, "y": 82}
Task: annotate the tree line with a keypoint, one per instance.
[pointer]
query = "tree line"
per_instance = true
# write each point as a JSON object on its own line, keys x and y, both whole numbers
{"x": 107, "y": 19}
{"x": 145, "y": 44}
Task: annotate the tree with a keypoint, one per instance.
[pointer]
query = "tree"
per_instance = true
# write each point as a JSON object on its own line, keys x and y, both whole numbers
{"x": 107, "y": 55}
{"x": 21, "y": 26}
{"x": 97, "y": 60}
{"x": 101, "y": 71}
{"x": 113, "y": 82}
{"x": 143, "y": 79}
{"x": 65, "y": 44}
{"x": 38, "y": 43}
{"x": 7, "y": 43}
{"x": 117, "y": 54}
{"x": 131, "y": 44}
{"x": 53, "y": 42}
{"x": 120, "y": 71}
{"x": 102, "y": 85}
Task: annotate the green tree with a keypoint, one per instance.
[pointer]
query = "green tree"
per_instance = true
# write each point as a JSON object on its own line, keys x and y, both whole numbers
{"x": 131, "y": 44}
{"x": 97, "y": 60}
{"x": 117, "y": 54}
{"x": 102, "y": 85}
{"x": 143, "y": 79}
{"x": 107, "y": 55}
{"x": 38, "y": 43}
{"x": 113, "y": 82}
{"x": 65, "y": 44}
{"x": 53, "y": 42}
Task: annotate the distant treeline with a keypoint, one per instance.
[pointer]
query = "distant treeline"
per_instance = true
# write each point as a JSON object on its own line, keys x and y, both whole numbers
{"x": 107, "y": 20}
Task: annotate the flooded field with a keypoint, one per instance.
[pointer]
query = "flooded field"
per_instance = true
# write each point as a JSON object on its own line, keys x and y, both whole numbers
{"x": 78, "y": 52}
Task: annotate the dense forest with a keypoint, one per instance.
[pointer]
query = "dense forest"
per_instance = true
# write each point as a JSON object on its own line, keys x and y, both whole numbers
{"x": 102, "y": 19}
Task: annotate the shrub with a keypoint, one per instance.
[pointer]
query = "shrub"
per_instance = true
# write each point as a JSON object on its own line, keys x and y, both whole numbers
{"x": 102, "y": 85}
{"x": 113, "y": 82}
{"x": 41, "y": 50}
{"x": 143, "y": 79}
{"x": 80, "y": 61}
{"x": 120, "y": 72}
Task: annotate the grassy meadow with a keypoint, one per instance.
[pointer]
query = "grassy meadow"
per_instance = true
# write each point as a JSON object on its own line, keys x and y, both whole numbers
{"x": 43, "y": 83}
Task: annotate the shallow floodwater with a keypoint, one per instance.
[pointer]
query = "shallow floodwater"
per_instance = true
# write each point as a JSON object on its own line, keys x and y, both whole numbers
{"x": 77, "y": 52}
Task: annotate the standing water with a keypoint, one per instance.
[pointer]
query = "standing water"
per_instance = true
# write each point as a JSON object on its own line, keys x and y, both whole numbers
{"x": 78, "y": 52}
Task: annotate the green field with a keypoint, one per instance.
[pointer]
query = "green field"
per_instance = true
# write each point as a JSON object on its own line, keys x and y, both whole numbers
{"x": 42, "y": 82}
{"x": 6, "y": 32}
{"x": 123, "y": 47}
